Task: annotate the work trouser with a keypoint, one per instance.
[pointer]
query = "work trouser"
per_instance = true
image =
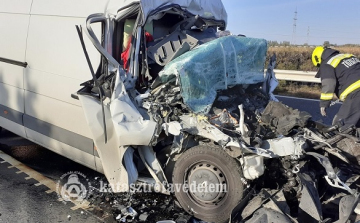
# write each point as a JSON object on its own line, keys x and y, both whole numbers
{"x": 349, "y": 112}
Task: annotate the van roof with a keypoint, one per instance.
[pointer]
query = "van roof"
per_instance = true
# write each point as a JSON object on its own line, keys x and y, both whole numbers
{"x": 211, "y": 9}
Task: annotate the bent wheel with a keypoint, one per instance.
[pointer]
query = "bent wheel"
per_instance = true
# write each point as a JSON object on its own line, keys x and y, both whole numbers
{"x": 207, "y": 183}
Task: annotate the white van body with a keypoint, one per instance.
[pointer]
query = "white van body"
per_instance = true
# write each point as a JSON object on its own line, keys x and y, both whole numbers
{"x": 35, "y": 100}
{"x": 42, "y": 64}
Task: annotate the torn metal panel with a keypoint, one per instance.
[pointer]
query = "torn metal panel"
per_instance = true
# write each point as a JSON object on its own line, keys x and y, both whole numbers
{"x": 198, "y": 125}
{"x": 325, "y": 162}
{"x": 346, "y": 207}
{"x": 270, "y": 82}
{"x": 130, "y": 126}
{"x": 111, "y": 154}
{"x": 130, "y": 166}
{"x": 206, "y": 9}
{"x": 124, "y": 125}
{"x": 312, "y": 136}
{"x": 309, "y": 206}
{"x": 148, "y": 156}
{"x": 331, "y": 177}
{"x": 267, "y": 215}
{"x": 285, "y": 146}
{"x": 174, "y": 128}
{"x": 241, "y": 127}
{"x": 339, "y": 184}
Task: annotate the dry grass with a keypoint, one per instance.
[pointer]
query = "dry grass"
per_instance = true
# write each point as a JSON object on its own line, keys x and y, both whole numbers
{"x": 299, "y": 58}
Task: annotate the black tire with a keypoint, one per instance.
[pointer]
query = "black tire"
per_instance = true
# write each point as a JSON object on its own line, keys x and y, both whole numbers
{"x": 213, "y": 163}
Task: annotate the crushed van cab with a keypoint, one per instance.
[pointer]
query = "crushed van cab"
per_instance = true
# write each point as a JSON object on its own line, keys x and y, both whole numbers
{"x": 195, "y": 108}
{"x": 174, "y": 101}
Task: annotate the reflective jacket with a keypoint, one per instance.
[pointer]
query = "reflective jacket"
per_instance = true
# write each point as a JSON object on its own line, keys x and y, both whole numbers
{"x": 339, "y": 73}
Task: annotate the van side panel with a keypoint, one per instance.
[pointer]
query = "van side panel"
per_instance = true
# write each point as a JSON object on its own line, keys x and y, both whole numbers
{"x": 51, "y": 85}
{"x": 12, "y": 46}
{"x": 54, "y": 47}
{"x": 13, "y": 31}
{"x": 18, "y": 6}
{"x": 12, "y": 108}
{"x": 62, "y": 148}
{"x": 56, "y": 68}
{"x": 58, "y": 113}
{"x": 71, "y": 8}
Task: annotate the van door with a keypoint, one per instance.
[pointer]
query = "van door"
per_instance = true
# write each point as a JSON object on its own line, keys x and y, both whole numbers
{"x": 14, "y": 17}
{"x": 56, "y": 68}
{"x": 115, "y": 120}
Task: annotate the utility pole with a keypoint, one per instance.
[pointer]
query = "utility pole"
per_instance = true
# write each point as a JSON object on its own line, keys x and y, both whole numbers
{"x": 308, "y": 34}
{"x": 294, "y": 28}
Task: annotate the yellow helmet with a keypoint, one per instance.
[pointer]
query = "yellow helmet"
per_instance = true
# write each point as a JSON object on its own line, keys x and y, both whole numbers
{"x": 316, "y": 55}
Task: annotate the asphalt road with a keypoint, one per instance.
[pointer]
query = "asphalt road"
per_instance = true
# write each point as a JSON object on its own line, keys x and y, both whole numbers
{"x": 25, "y": 199}
{"x": 30, "y": 173}
{"x": 312, "y": 106}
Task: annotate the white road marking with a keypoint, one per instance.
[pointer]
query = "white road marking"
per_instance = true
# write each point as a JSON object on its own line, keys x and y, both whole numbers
{"x": 32, "y": 174}
{"x": 306, "y": 99}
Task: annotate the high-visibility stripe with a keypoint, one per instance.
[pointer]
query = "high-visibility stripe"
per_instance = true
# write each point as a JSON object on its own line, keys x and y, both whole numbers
{"x": 350, "y": 89}
{"x": 326, "y": 96}
{"x": 335, "y": 60}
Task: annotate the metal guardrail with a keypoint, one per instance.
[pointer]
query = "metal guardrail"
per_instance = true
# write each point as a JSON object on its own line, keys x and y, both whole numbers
{"x": 292, "y": 75}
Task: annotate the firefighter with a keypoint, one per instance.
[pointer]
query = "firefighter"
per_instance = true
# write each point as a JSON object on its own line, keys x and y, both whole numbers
{"x": 340, "y": 74}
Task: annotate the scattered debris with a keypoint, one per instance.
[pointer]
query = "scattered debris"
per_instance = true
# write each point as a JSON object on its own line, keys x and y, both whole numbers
{"x": 143, "y": 216}
{"x": 194, "y": 107}
{"x": 118, "y": 217}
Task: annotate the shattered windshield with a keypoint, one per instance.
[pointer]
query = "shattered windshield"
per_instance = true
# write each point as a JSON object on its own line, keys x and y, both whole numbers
{"x": 216, "y": 65}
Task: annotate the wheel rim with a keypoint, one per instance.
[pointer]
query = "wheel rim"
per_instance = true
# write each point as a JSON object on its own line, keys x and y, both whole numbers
{"x": 207, "y": 184}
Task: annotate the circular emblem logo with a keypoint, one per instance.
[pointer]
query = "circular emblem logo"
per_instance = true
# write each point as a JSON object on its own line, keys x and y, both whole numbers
{"x": 73, "y": 186}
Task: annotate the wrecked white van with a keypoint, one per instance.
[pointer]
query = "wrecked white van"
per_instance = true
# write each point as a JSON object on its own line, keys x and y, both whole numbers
{"x": 169, "y": 102}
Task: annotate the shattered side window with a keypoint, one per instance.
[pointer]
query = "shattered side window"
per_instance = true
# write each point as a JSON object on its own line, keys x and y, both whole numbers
{"x": 216, "y": 65}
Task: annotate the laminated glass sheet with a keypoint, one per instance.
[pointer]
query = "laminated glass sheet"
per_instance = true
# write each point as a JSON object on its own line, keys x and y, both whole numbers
{"x": 216, "y": 65}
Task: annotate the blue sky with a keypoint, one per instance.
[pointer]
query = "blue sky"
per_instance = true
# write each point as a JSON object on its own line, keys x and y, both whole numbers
{"x": 336, "y": 21}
